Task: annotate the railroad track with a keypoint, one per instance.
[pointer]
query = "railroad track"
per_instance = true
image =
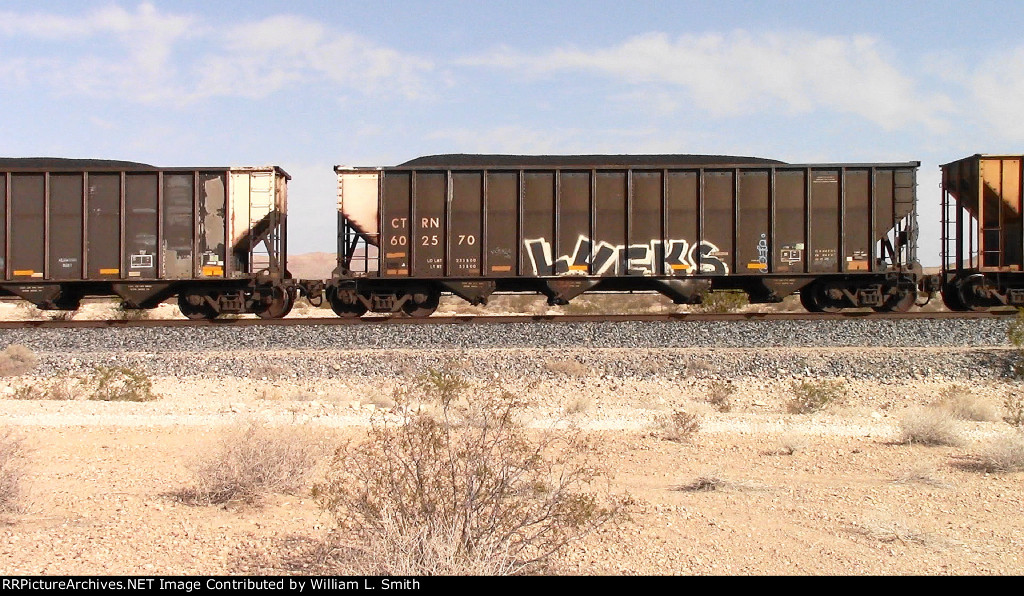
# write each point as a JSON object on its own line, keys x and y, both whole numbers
{"x": 496, "y": 319}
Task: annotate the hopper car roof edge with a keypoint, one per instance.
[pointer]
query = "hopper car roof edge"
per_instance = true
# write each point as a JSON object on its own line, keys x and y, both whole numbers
{"x": 108, "y": 169}
{"x": 984, "y": 155}
{"x": 788, "y": 166}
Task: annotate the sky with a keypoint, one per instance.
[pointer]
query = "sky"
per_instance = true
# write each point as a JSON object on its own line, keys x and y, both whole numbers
{"x": 306, "y": 85}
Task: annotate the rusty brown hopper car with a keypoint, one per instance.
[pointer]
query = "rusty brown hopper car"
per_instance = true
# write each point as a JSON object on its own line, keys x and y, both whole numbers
{"x": 213, "y": 237}
{"x": 983, "y": 232}
{"x": 843, "y": 235}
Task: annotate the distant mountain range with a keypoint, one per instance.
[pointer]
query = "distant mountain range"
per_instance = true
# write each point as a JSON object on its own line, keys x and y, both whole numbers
{"x": 312, "y": 265}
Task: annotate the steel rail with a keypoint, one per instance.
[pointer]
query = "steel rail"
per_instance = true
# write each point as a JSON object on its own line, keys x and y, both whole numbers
{"x": 501, "y": 319}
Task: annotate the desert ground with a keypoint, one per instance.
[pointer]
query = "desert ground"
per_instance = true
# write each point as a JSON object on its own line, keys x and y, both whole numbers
{"x": 755, "y": 490}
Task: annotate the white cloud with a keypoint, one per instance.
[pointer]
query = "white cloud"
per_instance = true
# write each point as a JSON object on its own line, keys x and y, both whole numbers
{"x": 742, "y": 73}
{"x": 997, "y": 87}
{"x": 163, "y": 58}
{"x": 264, "y": 56}
{"x": 525, "y": 140}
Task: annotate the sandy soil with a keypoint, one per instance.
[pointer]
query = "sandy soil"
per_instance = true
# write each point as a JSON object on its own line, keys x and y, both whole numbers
{"x": 828, "y": 493}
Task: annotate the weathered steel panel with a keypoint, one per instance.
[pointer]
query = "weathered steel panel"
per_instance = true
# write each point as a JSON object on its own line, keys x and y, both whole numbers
{"x": 430, "y": 224}
{"x": 3, "y": 226}
{"x": 28, "y": 231}
{"x": 884, "y": 202}
{"x": 610, "y": 250}
{"x": 66, "y": 226}
{"x": 789, "y": 253}
{"x": 179, "y": 226}
{"x": 824, "y": 244}
{"x": 857, "y": 239}
{"x": 717, "y": 253}
{"x": 681, "y": 245}
{"x": 212, "y": 201}
{"x": 615, "y": 221}
{"x": 104, "y": 226}
{"x": 574, "y": 249}
{"x": 395, "y": 223}
{"x": 464, "y": 245}
{"x": 501, "y": 242}
{"x": 141, "y": 224}
{"x": 645, "y": 234}
{"x": 359, "y": 201}
{"x": 752, "y": 249}
{"x": 538, "y": 223}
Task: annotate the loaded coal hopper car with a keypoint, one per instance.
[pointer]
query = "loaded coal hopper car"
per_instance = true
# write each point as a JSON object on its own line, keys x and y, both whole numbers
{"x": 842, "y": 235}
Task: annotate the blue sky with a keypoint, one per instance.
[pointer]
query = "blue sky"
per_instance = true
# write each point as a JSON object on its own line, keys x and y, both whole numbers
{"x": 306, "y": 85}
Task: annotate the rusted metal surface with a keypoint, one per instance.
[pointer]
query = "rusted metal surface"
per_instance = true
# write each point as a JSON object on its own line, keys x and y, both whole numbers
{"x": 73, "y": 228}
{"x": 983, "y": 231}
{"x": 602, "y": 220}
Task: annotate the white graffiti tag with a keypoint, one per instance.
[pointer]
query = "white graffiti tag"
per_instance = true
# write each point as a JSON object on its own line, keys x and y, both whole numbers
{"x": 679, "y": 257}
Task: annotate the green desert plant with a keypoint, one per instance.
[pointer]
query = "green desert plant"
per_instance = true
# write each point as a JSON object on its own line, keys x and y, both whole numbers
{"x": 814, "y": 395}
{"x": 118, "y": 383}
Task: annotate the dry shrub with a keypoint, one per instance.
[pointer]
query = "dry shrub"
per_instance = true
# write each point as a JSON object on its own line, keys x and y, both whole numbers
{"x": 885, "y": 529}
{"x": 714, "y": 482}
{"x": 1014, "y": 405}
{"x": 118, "y": 383}
{"x": 580, "y": 405}
{"x": 463, "y": 488}
{"x": 680, "y": 426}
{"x": 964, "y": 405}
{"x": 16, "y": 359}
{"x": 920, "y": 474}
{"x": 59, "y": 389}
{"x": 703, "y": 484}
{"x": 1004, "y": 453}
{"x": 815, "y": 395}
{"x": 719, "y": 395}
{"x": 789, "y": 443}
{"x": 268, "y": 371}
{"x": 929, "y": 426}
{"x": 571, "y": 368}
{"x": 253, "y": 461}
{"x": 12, "y": 470}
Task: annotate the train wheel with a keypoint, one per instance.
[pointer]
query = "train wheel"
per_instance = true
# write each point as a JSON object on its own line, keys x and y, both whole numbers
{"x": 814, "y": 299}
{"x": 951, "y": 298}
{"x": 344, "y": 309}
{"x": 422, "y": 303}
{"x": 204, "y": 310}
{"x": 972, "y": 296}
{"x": 282, "y": 303}
{"x": 902, "y": 302}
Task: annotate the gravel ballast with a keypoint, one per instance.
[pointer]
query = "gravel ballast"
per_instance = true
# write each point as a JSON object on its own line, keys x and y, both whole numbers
{"x": 629, "y": 334}
{"x": 857, "y": 349}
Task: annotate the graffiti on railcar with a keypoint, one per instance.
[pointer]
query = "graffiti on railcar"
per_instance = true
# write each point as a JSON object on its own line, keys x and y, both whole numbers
{"x": 679, "y": 256}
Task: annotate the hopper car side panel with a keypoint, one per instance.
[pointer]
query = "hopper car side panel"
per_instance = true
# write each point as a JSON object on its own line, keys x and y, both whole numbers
{"x": 766, "y": 229}
{"x": 983, "y": 232}
{"x": 141, "y": 233}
